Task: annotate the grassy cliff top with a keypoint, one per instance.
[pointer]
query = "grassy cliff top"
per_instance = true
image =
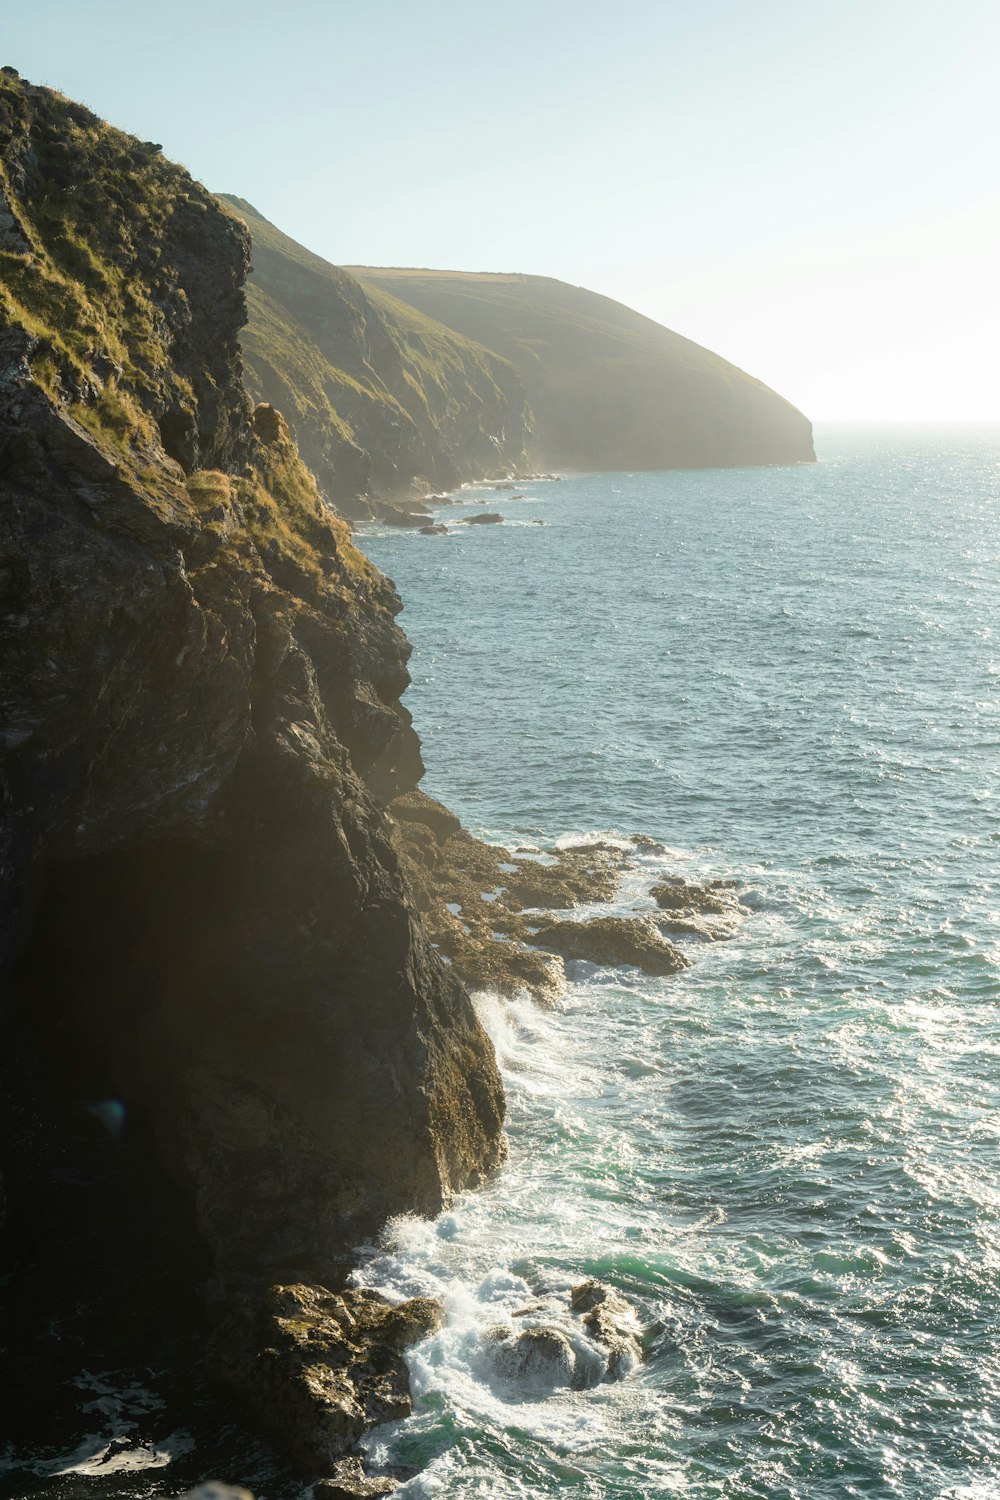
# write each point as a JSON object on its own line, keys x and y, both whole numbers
{"x": 101, "y": 239}
{"x": 607, "y": 384}
{"x": 514, "y": 310}
{"x": 434, "y": 350}
{"x": 381, "y": 393}
{"x": 121, "y": 303}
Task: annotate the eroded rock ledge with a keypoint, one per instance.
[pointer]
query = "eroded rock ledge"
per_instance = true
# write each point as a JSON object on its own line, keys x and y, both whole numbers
{"x": 489, "y": 910}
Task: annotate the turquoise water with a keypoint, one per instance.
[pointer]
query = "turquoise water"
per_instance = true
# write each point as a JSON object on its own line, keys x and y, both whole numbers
{"x": 787, "y": 1156}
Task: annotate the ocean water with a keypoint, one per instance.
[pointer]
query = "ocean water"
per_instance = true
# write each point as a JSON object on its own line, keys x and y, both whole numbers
{"x": 786, "y": 1157}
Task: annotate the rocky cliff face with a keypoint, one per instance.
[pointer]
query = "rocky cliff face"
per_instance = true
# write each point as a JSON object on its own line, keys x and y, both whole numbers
{"x": 210, "y": 960}
{"x": 381, "y": 397}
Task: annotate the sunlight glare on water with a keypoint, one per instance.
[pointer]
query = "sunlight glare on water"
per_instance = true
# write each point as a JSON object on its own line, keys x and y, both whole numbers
{"x": 786, "y": 1157}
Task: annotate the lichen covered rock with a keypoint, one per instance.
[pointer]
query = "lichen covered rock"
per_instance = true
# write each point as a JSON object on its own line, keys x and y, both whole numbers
{"x": 320, "y": 1368}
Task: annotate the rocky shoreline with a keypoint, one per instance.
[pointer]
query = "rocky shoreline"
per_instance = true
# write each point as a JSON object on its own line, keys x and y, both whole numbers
{"x": 491, "y": 911}
{"x": 323, "y": 1367}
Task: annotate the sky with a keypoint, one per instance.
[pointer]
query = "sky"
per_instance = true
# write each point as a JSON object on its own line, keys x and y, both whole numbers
{"x": 809, "y": 187}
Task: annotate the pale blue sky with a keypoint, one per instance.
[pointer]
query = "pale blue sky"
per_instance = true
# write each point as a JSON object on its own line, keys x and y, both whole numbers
{"x": 809, "y": 188}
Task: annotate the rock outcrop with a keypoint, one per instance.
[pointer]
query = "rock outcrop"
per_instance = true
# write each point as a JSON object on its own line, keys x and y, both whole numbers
{"x": 632, "y": 942}
{"x": 208, "y": 954}
{"x": 319, "y": 1368}
{"x": 712, "y": 910}
{"x": 382, "y": 399}
{"x": 489, "y": 909}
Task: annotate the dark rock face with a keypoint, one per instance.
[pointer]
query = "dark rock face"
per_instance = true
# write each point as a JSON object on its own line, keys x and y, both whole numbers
{"x": 320, "y": 1369}
{"x": 395, "y": 515}
{"x": 203, "y": 917}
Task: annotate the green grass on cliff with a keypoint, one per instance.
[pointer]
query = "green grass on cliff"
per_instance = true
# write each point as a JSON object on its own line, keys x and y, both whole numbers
{"x": 430, "y": 352}
{"x": 125, "y": 278}
{"x": 87, "y": 199}
{"x": 276, "y": 343}
{"x": 608, "y": 386}
{"x": 279, "y": 509}
{"x": 359, "y": 367}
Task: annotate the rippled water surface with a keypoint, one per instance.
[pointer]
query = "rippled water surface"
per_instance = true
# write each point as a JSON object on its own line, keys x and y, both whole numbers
{"x": 787, "y": 1157}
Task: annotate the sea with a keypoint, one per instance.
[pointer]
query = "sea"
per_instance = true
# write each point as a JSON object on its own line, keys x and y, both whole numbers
{"x": 786, "y": 1157}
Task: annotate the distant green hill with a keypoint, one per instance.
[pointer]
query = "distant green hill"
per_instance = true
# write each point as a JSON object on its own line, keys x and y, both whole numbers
{"x": 609, "y": 388}
{"x": 382, "y": 398}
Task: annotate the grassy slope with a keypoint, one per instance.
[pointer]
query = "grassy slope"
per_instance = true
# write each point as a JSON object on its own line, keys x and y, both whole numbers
{"x": 380, "y": 394}
{"x": 68, "y": 270}
{"x": 89, "y": 284}
{"x": 609, "y": 387}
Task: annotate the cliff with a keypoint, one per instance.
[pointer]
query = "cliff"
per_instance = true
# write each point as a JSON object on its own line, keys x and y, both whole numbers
{"x": 382, "y": 398}
{"x": 227, "y": 1045}
{"x": 608, "y": 388}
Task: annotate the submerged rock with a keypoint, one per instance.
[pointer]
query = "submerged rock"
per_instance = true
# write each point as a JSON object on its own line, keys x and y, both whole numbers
{"x": 632, "y": 941}
{"x": 532, "y": 1359}
{"x": 595, "y": 1337}
{"x": 610, "y": 1321}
